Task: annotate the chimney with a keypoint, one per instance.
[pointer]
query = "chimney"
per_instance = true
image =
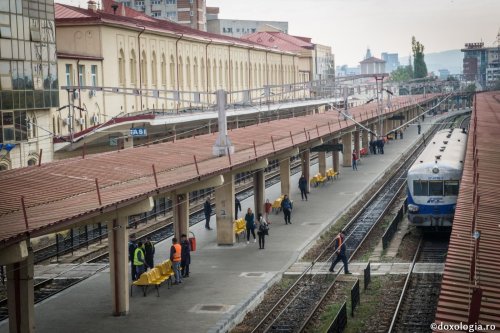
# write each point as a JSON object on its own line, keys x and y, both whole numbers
{"x": 92, "y": 5}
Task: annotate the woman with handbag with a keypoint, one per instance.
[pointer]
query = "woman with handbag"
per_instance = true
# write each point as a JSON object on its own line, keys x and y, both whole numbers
{"x": 262, "y": 231}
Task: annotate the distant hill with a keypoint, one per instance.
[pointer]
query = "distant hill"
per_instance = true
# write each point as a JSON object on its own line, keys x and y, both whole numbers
{"x": 451, "y": 60}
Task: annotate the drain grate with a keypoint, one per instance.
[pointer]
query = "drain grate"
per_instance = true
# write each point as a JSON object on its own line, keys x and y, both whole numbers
{"x": 212, "y": 308}
{"x": 253, "y": 274}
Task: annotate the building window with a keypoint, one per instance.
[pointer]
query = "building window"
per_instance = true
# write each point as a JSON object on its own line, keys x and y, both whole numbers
{"x": 195, "y": 73}
{"x": 188, "y": 73}
{"x": 93, "y": 75}
{"x": 170, "y": 2}
{"x": 69, "y": 71}
{"x": 171, "y": 15}
{"x": 121, "y": 68}
{"x": 202, "y": 74}
{"x": 172, "y": 72}
{"x": 144, "y": 69}
{"x": 180, "y": 79}
{"x": 133, "y": 68}
{"x": 156, "y": 13}
{"x": 156, "y": 2}
{"x": 163, "y": 70}
{"x": 81, "y": 75}
{"x": 154, "y": 72}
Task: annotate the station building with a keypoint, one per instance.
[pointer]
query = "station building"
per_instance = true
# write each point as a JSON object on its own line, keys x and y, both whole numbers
{"x": 176, "y": 68}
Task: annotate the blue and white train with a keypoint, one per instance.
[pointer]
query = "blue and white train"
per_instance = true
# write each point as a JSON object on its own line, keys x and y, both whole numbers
{"x": 434, "y": 179}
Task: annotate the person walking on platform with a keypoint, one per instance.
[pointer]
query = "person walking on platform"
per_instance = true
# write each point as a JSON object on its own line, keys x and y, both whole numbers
{"x": 263, "y": 231}
{"x": 149, "y": 250}
{"x": 237, "y": 207}
{"x": 250, "y": 224}
{"x": 175, "y": 258}
{"x": 139, "y": 263}
{"x": 419, "y": 128}
{"x": 303, "y": 187}
{"x": 286, "y": 206}
{"x": 373, "y": 147}
{"x": 354, "y": 160}
{"x": 340, "y": 250}
{"x": 185, "y": 255}
{"x": 131, "y": 251}
{"x": 207, "y": 209}
{"x": 267, "y": 210}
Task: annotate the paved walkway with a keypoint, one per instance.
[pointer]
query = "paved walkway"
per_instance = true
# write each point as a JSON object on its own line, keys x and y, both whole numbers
{"x": 224, "y": 280}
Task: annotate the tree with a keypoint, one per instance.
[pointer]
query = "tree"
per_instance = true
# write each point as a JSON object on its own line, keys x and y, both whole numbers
{"x": 401, "y": 74}
{"x": 419, "y": 66}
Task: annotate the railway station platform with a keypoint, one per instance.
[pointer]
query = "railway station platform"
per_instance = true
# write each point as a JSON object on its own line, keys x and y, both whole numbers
{"x": 224, "y": 280}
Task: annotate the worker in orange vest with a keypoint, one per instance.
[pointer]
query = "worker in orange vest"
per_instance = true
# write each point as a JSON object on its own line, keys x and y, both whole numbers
{"x": 340, "y": 250}
{"x": 175, "y": 258}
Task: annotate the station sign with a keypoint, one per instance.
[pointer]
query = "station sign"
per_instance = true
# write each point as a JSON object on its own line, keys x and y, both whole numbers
{"x": 328, "y": 147}
{"x": 138, "y": 132}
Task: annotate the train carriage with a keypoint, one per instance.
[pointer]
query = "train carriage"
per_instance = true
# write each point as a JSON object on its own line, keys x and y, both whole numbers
{"x": 434, "y": 179}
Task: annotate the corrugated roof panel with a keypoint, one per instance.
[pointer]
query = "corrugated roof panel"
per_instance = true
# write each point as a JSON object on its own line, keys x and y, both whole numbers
{"x": 456, "y": 292}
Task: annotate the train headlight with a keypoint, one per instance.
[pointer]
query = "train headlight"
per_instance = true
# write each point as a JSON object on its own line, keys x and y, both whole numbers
{"x": 435, "y": 170}
{"x": 413, "y": 208}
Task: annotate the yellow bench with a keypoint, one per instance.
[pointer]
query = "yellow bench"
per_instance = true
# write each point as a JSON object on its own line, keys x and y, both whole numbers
{"x": 277, "y": 204}
{"x": 330, "y": 174}
{"x": 154, "y": 277}
{"x": 239, "y": 227}
{"x": 318, "y": 179}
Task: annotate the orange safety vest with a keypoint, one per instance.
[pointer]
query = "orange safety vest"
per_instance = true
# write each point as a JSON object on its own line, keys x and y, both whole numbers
{"x": 177, "y": 254}
{"x": 340, "y": 243}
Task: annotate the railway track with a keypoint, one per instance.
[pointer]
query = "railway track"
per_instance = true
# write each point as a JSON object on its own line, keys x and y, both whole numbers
{"x": 45, "y": 288}
{"x": 295, "y": 310}
{"x": 418, "y": 301}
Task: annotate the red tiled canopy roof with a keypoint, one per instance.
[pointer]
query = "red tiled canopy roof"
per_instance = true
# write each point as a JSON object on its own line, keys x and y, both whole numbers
{"x": 280, "y": 41}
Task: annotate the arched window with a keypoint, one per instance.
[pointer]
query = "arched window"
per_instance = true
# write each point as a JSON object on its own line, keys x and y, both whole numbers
{"x": 226, "y": 75}
{"x": 144, "y": 69}
{"x": 255, "y": 75}
{"x": 188, "y": 73}
{"x": 181, "y": 74}
{"x": 121, "y": 67}
{"x": 4, "y": 166}
{"x": 209, "y": 75}
{"x": 214, "y": 72}
{"x": 221, "y": 77}
{"x": 154, "y": 69}
{"x": 250, "y": 75}
{"x": 163, "y": 70}
{"x": 172, "y": 72}
{"x": 260, "y": 76}
{"x": 242, "y": 76}
{"x": 133, "y": 67}
{"x": 195, "y": 73}
{"x": 202, "y": 72}
{"x": 236, "y": 80}
{"x": 32, "y": 161}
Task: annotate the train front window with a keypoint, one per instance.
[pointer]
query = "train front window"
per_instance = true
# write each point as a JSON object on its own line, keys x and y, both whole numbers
{"x": 420, "y": 187}
{"x": 436, "y": 187}
{"x": 451, "y": 187}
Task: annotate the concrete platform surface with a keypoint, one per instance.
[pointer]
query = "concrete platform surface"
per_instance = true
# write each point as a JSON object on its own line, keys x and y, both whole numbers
{"x": 223, "y": 280}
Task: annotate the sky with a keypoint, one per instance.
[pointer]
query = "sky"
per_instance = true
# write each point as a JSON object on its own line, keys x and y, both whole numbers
{"x": 350, "y": 26}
